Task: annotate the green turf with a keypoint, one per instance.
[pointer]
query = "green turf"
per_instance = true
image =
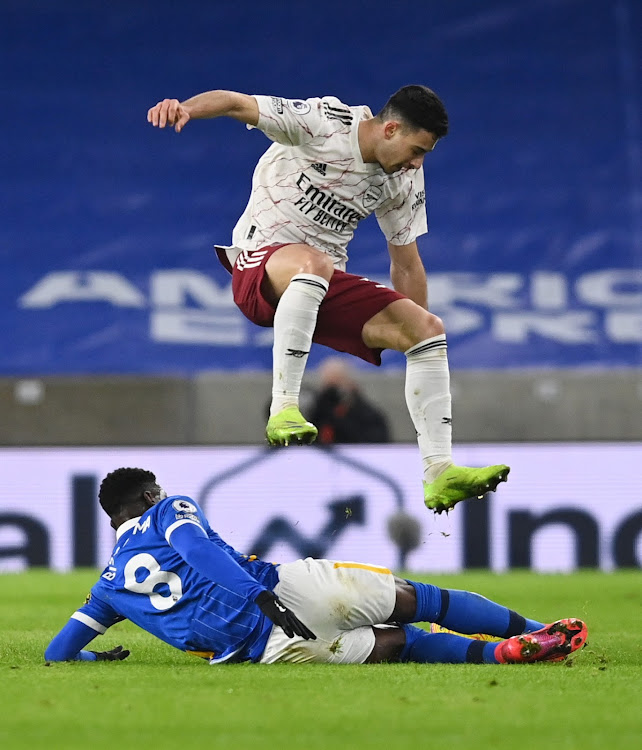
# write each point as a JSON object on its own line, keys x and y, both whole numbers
{"x": 161, "y": 698}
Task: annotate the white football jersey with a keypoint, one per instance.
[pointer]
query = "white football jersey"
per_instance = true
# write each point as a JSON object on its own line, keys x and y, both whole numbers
{"x": 312, "y": 185}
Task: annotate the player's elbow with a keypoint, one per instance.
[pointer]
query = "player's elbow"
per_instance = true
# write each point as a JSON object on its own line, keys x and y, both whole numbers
{"x": 243, "y": 107}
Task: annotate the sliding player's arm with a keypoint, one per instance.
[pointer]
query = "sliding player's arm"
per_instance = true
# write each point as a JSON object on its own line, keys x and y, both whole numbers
{"x": 80, "y": 630}
{"x": 207, "y": 558}
{"x": 188, "y": 537}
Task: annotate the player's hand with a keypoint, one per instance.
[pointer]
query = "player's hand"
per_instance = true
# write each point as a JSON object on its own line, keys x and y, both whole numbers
{"x": 116, "y": 654}
{"x": 272, "y": 608}
{"x": 168, "y": 112}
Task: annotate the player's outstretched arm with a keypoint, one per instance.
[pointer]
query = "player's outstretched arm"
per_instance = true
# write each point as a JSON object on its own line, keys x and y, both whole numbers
{"x": 176, "y": 114}
{"x": 68, "y": 645}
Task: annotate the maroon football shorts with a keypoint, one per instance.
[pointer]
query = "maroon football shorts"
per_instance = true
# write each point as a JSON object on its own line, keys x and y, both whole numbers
{"x": 349, "y": 304}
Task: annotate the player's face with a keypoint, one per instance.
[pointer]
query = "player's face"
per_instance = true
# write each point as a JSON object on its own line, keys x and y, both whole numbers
{"x": 404, "y": 148}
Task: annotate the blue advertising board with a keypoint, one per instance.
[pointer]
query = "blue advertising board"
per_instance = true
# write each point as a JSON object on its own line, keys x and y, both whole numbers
{"x": 534, "y": 254}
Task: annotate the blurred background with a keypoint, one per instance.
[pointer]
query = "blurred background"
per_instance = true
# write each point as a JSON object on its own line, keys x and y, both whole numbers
{"x": 120, "y": 342}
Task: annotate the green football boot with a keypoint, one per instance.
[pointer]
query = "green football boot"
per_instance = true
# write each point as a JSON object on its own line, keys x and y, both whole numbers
{"x": 290, "y": 426}
{"x": 459, "y": 483}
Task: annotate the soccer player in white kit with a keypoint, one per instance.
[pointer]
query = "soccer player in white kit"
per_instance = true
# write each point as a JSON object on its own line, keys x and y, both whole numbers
{"x": 331, "y": 165}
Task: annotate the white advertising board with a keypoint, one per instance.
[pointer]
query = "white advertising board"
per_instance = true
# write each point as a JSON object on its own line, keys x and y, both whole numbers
{"x": 564, "y": 506}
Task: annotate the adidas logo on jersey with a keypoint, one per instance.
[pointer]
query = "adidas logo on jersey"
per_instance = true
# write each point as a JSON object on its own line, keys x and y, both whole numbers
{"x": 320, "y": 168}
{"x": 343, "y": 114}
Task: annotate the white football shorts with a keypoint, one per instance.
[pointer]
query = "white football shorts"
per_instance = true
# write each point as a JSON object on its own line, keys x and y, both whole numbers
{"x": 340, "y": 602}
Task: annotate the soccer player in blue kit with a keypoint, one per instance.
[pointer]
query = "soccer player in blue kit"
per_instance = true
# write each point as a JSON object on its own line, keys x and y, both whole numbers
{"x": 174, "y": 577}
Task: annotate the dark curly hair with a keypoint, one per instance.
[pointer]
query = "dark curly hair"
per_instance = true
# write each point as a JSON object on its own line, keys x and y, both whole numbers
{"x": 124, "y": 487}
{"x": 419, "y": 107}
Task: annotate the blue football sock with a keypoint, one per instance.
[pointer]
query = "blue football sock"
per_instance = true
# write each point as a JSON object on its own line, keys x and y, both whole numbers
{"x": 444, "y": 648}
{"x": 466, "y": 612}
{"x": 428, "y": 602}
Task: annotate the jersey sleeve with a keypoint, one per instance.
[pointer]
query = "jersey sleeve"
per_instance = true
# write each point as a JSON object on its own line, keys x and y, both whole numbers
{"x": 402, "y": 218}
{"x": 290, "y": 122}
{"x": 92, "y": 619}
{"x": 96, "y": 613}
{"x": 186, "y": 529}
{"x": 177, "y": 511}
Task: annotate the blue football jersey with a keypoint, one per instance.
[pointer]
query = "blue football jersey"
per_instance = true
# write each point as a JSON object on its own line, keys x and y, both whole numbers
{"x": 148, "y": 582}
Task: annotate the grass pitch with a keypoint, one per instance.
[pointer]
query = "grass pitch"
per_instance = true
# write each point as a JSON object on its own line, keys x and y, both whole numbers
{"x": 161, "y": 698}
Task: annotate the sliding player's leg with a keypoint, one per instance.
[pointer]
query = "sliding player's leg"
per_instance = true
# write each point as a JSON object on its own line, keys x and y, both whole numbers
{"x": 551, "y": 643}
{"x": 361, "y": 613}
{"x": 522, "y": 639}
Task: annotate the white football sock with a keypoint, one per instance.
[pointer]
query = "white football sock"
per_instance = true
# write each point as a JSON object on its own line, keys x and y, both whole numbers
{"x": 428, "y": 400}
{"x": 294, "y": 323}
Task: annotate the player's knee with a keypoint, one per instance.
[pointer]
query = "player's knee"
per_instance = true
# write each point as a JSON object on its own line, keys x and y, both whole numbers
{"x": 389, "y": 643}
{"x": 401, "y": 325}
{"x": 405, "y": 602}
{"x": 319, "y": 264}
{"x": 291, "y": 260}
{"x": 428, "y": 324}
{"x": 303, "y": 259}
{"x": 422, "y": 325}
